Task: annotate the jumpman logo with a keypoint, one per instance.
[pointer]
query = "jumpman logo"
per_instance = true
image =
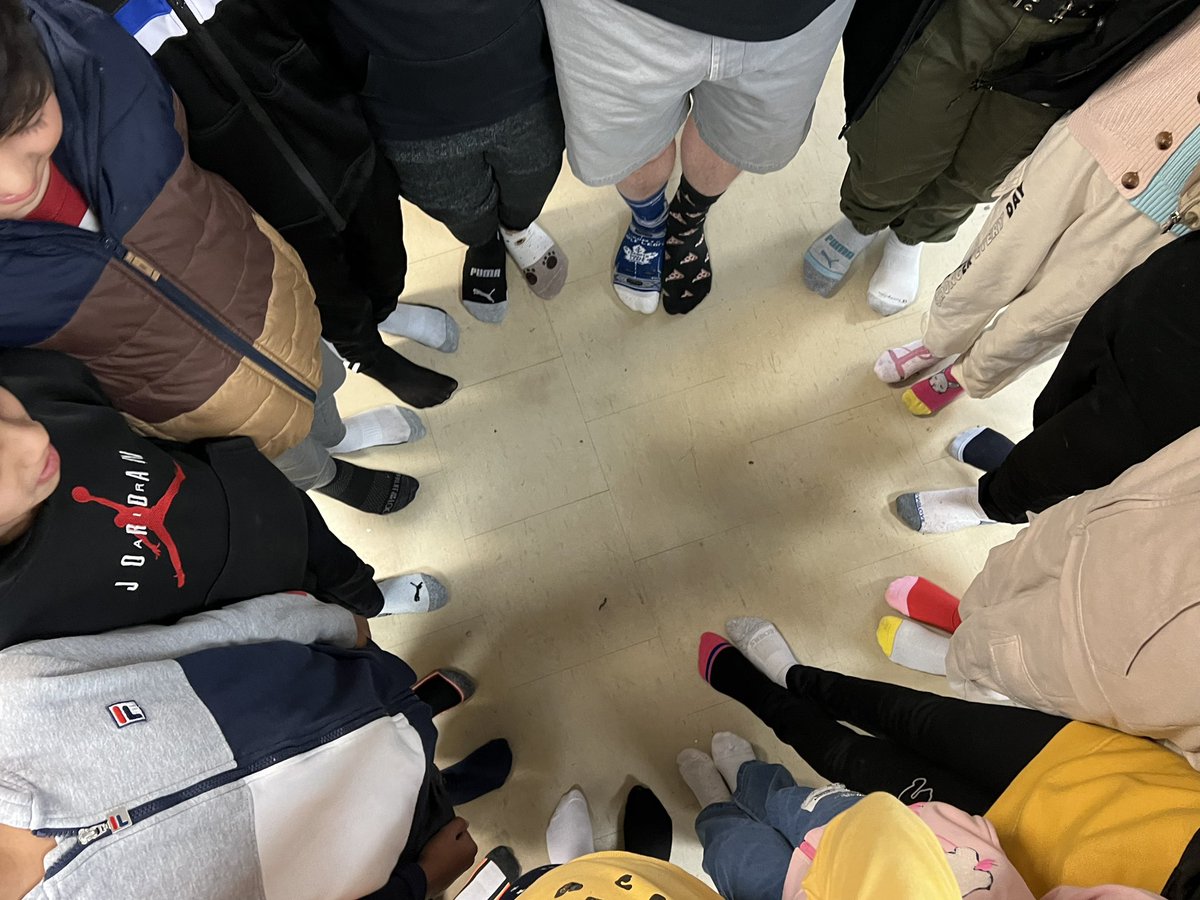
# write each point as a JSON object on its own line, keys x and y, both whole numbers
{"x": 151, "y": 518}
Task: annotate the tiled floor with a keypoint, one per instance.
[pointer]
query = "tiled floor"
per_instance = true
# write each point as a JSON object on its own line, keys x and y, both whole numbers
{"x": 606, "y": 486}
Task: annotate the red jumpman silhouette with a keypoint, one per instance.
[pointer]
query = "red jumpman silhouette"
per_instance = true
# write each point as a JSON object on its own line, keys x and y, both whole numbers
{"x": 152, "y": 517}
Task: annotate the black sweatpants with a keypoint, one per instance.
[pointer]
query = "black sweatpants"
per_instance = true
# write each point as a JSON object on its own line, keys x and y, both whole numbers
{"x": 476, "y": 181}
{"x": 920, "y": 746}
{"x": 1125, "y": 388}
{"x": 336, "y": 574}
{"x": 357, "y": 273}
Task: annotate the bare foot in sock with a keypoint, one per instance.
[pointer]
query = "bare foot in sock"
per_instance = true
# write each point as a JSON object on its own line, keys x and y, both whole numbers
{"x": 703, "y": 777}
{"x": 485, "y": 282}
{"x": 940, "y": 512}
{"x": 729, "y": 751}
{"x": 426, "y": 325}
{"x": 828, "y": 260}
{"x": 920, "y": 599}
{"x": 415, "y": 592}
{"x": 982, "y": 448}
{"x": 569, "y": 834}
{"x": 370, "y": 490}
{"x": 415, "y": 385}
{"x": 380, "y": 427}
{"x": 539, "y": 258}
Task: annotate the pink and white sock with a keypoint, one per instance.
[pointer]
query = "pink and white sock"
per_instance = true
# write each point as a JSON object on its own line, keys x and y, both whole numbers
{"x": 898, "y": 363}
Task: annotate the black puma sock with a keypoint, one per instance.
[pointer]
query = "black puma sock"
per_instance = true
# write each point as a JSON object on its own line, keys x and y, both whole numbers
{"x": 647, "y": 824}
{"x": 415, "y": 385}
{"x": 370, "y": 490}
{"x": 687, "y": 270}
{"x": 485, "y": 282}
{"x": 479, "y": 772}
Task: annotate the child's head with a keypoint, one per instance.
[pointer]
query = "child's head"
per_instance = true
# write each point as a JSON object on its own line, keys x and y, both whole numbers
{"x": 29, "y": 467}
{"x": 30, "y": 120}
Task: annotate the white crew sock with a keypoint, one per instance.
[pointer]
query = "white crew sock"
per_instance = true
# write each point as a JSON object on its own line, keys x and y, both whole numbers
{"x": 702, "y": 776}
{"x": 569, "y": 834}
{"x": 762, "y": 644}
{"x": 940, "y": 512}
{"x": 828, "y": 260}
{"x": 898, "y": 279}
{"x": 415, "y": 592}
{"x": 378, "y": 427}
{"x": 729, "y": 751}
{"x": 426, "y": 325}
{"x": 913, "y": 645}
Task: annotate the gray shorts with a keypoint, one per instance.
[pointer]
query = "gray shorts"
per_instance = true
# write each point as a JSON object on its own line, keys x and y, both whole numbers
{"x": 625, "y": 78}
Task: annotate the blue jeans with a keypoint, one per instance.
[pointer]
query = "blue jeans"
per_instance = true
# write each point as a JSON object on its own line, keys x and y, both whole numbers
{"x": 748, "y": 842}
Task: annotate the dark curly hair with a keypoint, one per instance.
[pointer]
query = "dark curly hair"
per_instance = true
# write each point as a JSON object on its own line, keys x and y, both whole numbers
{"x": 26, "y": 81}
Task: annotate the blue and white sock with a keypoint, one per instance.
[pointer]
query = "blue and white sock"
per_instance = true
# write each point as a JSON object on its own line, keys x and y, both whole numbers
{"x": 829, "y": 258}
{"x": 637, "y": 270}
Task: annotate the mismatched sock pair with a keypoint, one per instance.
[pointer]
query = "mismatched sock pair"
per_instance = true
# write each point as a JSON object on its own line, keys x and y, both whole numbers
{"x": 665, "y": 253}
{"x": 485, "y": 281}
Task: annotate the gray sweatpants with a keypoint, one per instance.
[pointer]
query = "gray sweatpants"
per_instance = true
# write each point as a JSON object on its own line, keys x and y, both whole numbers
{"x": 308, "y": 465}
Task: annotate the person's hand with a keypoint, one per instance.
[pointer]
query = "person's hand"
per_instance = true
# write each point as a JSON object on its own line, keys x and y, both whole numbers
{"x": 364, "y": 631}
{"x": 447, "y": 855}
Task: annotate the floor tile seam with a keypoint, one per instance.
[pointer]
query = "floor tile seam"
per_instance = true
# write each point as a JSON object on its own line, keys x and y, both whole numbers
{"x": 468, "y": 538}
{"x": 648, "y": 401}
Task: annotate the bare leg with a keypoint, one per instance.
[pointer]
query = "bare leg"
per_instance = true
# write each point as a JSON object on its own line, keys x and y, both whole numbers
{"x": 704, "y": 170}
{"x": 650, "y": 178}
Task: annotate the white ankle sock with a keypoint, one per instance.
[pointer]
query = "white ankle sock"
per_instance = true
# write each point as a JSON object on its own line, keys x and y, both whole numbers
{"x": 729, "y": 751}
{"x": 940, "y": 512}
{"x": 762, "y": 644}
{"x": 377, "y": 427}
{"x": 913, "y": 645}
{"x": 898, "y": 279}
{"x": 426, "y": 325}
{"x": 569, "y": 834}
{"x": 412, "y": 593}
{"x": 702, "y": 776}
{"x": 898, "y": 363}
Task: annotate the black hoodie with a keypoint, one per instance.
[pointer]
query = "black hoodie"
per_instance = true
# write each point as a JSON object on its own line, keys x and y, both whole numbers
{"x": 141, "y": 531}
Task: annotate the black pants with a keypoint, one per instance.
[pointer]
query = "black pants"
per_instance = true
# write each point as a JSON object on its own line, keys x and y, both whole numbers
{"x": 477, "y": 181}
{"x": 358, "y": 274}
{"x": 920, "y": 747}
{"x": 336, "y": 574}
{"x": 1125, "y": 388}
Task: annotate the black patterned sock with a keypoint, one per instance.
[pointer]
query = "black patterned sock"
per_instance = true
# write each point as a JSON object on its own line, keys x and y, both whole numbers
{"x": 370, "y": 490}
{"x": 687, "y": 270}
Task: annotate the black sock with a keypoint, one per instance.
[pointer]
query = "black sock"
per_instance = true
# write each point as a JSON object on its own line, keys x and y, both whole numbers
{"x": 687, "y": 270}
{"x": 485, "y": 282}
{"x": 480, "y": 772}
{"x": 987, "y": 450}
{"x": 736, "y": 677}
{"x": 647, "y": 824}
{"x": 444, "y": 689}
{"x": 370, "y": 490}
{"x": 415, "y": 385}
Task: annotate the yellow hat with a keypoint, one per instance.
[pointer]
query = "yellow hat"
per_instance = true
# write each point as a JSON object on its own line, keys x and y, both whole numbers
{"x": 879, "y": 850}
